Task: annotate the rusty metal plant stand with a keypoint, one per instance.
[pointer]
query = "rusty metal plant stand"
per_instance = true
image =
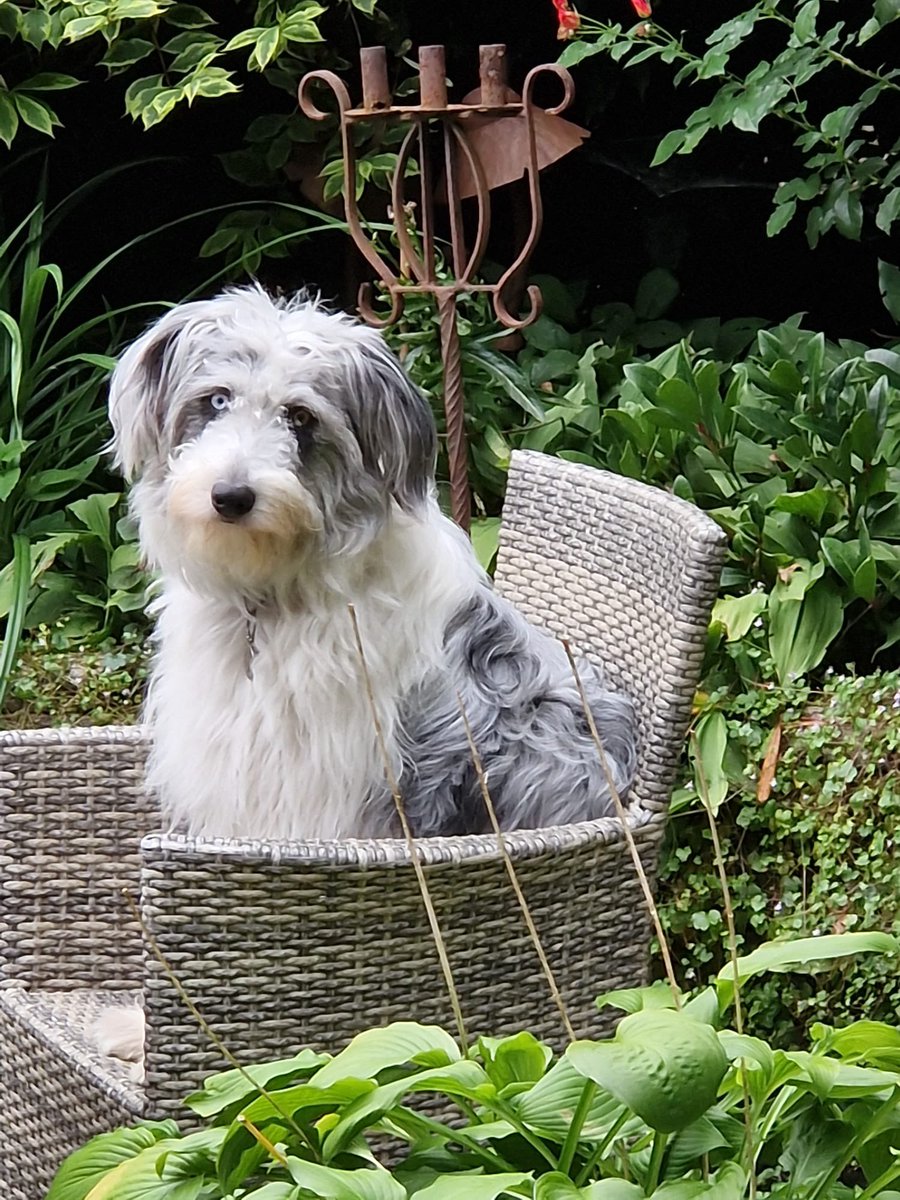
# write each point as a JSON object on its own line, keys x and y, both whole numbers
{"x": 421, "y": 264}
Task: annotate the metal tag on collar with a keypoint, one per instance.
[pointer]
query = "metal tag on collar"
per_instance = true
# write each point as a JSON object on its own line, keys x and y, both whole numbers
{"x": 250, "y": 638}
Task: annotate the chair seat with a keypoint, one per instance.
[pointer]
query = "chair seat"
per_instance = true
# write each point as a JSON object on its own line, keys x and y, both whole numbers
{"x": 50, "y": 1070}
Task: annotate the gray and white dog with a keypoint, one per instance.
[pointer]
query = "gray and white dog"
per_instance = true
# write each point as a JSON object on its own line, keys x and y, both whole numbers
{"x": 283, "y": 466}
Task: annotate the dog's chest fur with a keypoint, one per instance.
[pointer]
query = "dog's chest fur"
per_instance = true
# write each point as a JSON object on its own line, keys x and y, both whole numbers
{"x": 278, "y": 737}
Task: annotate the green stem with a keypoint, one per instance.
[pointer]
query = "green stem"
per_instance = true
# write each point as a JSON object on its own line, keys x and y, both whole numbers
{"x": 656, "y": 1157}
{"x": 873, "y": 75}
{"x": 570, "y": 1145}
{"x": 525, "y": 1132}
{"x": 597, "y": 1154}
{"x": 488, "y": 1157}
{"x": 767, "y": 1124}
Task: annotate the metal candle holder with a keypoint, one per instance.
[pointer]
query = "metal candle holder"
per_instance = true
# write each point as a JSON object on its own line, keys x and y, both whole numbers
{"x": 421, "y": 263}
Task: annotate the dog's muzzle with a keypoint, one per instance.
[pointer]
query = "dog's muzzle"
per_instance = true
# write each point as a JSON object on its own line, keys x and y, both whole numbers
{"x": 232, "y": 501}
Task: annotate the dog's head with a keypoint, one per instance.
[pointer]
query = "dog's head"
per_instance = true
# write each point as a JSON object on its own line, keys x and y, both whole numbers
{"x": 258, "y": 429}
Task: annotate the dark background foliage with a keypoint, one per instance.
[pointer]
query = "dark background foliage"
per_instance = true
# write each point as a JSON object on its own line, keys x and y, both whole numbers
{"x": 609, "y": 218}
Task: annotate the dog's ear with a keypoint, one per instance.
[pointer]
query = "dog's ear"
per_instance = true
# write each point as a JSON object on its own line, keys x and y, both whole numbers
{"x": 394, "y": 425}
{"x": 138, "y": 394}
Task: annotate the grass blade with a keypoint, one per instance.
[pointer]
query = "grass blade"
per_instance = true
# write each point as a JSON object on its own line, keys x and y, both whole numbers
{"x": 15, "y": 622}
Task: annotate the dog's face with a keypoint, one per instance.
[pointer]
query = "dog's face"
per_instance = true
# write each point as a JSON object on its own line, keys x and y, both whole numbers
{"x": 258, "y": 431}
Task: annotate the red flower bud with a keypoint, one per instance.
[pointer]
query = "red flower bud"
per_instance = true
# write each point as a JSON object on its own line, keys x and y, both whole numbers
{"x": 569, "y": 20}
{"x": 641, "y": 7}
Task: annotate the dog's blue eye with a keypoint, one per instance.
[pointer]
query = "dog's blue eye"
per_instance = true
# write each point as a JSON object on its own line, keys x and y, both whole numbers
{"x": 218, "y": 402}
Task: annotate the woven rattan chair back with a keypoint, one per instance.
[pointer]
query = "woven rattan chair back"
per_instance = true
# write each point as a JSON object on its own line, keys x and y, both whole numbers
{"x": 627, "y": 573}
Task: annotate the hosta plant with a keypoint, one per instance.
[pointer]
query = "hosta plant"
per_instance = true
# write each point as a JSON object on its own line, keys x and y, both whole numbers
{"x": 676, "y": 1106}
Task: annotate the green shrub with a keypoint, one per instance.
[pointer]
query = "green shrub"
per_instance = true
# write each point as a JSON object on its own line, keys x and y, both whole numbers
{"x": 794, "y": 451}
{"x": 188, "y": 53}
{"x": 676, "y": 1106}
{"x": 58, "y": 502}
{"x": 161, "y": 57}
{"x": 810, "y": 846}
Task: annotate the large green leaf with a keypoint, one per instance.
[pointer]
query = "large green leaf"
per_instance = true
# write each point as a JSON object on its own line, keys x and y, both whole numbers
{"x": 801, "y": 953}
{"x": 85, "y": 1168}
{"x": 173, "y": 1169}
{"x": 708, "y": 746}
{"x": 632, "y": 1000}
{"x": 374, "y": 1050}
{"x": 737, "y": 613}
{"x": 330, "y": 1183}
{"x": 283, "y": 1109}
{"x": 94, "y": 512}
{"x": 474, "y": 1187}
{"x": 686, "y": 1149}
{"x": 663, "y": 1065}
{"x": 830, "y": 1079}
{"x": 800, "y": 631}
{"x": 872, "y": 1042}
{"x": 729, "y": 1183}
{"x": 278, "y": 1191}
{"x": 556, "y": 1186}
{"x": 514, "y": 1060}
{"x": 485, "y": 534}
{"x": 464, "y": 1078}
{"x": 547, "y": 1108}
{"x": 230, "y": 1088}
{"x": 55, "y": 483}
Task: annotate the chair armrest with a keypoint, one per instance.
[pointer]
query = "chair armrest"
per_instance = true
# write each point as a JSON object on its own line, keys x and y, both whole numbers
{"x": 72, "y": 812}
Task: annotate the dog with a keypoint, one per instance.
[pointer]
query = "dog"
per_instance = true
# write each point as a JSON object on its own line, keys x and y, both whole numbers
{"x": 282, "y": 469}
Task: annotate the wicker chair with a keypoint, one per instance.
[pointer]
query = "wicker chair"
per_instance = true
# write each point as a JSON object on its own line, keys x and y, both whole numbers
{"x": 284, "y": 944}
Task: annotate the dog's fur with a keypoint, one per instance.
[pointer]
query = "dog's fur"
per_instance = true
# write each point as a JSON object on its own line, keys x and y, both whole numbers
{"x": 276, "y": 739}
{"x": 262, "y": 726}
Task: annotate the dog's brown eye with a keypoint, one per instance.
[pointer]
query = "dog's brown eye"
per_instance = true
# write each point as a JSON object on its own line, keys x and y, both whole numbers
{"x": 300, "y": 418}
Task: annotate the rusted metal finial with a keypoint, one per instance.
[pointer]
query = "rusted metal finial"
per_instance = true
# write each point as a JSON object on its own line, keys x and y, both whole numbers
{"x": 453, "y": 273}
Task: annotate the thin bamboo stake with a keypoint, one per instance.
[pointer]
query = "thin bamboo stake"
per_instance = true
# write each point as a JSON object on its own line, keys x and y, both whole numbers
{"x": 204, "y": 1024}
{"x": 733, "y": 953}
{"x": 513, "y": 877}
{"x": 626, "y": 829}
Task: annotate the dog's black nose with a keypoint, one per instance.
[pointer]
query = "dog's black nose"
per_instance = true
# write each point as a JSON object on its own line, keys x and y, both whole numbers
{"x": 232, "y": 500}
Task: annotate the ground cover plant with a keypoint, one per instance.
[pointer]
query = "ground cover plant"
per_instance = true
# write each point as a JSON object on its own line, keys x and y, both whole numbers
{"x": 807, "y": 833}
{"x": 677, "y": 1105}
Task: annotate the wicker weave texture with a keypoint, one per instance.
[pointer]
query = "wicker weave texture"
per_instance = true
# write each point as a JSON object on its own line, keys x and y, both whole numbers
{"x": 72, "y": 811}
{"x": 628, "y": 574}
{"x": 276, "y": 951}
{"x": 54, "y": 1092}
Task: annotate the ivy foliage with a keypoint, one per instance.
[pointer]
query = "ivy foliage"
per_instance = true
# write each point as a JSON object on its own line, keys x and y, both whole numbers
{"x": 809, "y": 837}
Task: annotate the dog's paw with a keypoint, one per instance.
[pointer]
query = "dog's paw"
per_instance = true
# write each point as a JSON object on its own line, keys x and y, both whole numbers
{"x": 119, "y": 1033}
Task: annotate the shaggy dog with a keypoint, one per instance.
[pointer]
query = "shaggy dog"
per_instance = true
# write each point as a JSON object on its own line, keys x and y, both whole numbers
{"x": 284, "y": 471}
